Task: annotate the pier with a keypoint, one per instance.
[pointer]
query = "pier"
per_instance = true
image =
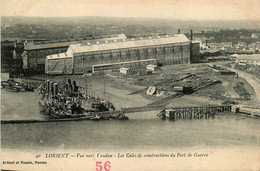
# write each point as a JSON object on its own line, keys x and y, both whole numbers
{"x": 192, "y": 112}
{"x": 104, "y": 115}
{"x": 169, "y": 113}
{"x": 142, "y": 109}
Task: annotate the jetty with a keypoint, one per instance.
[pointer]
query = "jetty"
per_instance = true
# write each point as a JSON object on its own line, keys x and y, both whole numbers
{"x": 116, "y": 114}
{"x": 101, "y": 116}
{"x": 165, "y": 113}
{"x": 192, "y": 112}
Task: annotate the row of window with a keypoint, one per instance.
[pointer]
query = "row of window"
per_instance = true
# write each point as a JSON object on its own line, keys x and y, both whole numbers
{"x": 126, "y": 55}
{"x": 167, "y": 50}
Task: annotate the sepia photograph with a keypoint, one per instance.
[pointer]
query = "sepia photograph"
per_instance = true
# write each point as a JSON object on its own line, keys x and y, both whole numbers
{"x": 130, "y": 85}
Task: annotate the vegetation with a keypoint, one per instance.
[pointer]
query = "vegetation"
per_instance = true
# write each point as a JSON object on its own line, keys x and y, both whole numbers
{"x": 252, "y": 69}
{"x": 241, "y": 90}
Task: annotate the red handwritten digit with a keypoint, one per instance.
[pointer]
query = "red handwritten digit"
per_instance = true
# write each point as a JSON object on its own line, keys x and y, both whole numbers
{"x": 107, "y": 166}
{"x": 99, "y": 166}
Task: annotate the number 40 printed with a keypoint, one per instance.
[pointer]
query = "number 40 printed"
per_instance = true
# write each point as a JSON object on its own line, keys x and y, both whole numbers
{"x": 99, "y": 166}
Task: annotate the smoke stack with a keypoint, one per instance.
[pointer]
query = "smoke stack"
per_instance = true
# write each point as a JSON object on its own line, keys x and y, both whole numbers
{"x": 55, "y": 91}
{"x": 74, "y": 86}
{"x": 179, "y": 31}
{"x": 191, "y": 35}
{"x": 191, "y": 48}
{"x": 67, "y": 87}
{"x": 47, "y": 86}
{"x": 51, "y": 87}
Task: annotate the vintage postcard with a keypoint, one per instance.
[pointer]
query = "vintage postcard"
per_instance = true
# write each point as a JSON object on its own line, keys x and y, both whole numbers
{"x": 130, "y": 85}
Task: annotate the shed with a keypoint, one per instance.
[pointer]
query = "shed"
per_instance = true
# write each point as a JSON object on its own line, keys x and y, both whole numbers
{"x": 152, "y": 67}
{"x": 124, "y": 70}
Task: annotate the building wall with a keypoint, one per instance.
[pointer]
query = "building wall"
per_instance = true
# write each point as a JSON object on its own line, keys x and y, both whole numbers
{"x": 132, "y": 65}
{"x": 165, "y": 54}
{"x": 195, "y": 52}
{"x": 36, "y": 58}
{"x": 25, "y": 61}
{"x": 58, "y": 66}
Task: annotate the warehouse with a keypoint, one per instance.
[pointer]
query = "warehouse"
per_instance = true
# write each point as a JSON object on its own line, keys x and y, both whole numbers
{"x": 113, "y": 54}
{"x": 35, "y": 52}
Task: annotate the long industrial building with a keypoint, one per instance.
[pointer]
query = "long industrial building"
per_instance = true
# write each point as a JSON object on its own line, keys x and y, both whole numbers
{"x": 35, "y": 52}
{"x": 113, "y": 54}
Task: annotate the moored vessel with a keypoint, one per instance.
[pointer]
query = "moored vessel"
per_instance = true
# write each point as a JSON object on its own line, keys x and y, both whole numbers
{"x": 65, "y": 100}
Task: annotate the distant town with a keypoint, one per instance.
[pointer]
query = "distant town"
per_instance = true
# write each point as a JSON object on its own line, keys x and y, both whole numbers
{"x": 212, "y": 42}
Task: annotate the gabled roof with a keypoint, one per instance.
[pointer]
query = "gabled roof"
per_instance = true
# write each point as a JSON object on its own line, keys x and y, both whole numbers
{"x": 34, "y": 46}
{"x": 66, "y": 43}
{"x": 127, "y": 43}
{"x": 59, "y": 56}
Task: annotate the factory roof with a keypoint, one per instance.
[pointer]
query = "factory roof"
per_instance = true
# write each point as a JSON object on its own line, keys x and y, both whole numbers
{"x": 66, "y": 43}
{"x": 127, "y": 43}
{"x": 34, "y": 46}
{"x": 59, "y": 56}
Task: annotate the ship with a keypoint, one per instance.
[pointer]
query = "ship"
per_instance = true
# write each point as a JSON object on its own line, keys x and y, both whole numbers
{"x": 65, "y": 100}
{"x": 14, "y": 86}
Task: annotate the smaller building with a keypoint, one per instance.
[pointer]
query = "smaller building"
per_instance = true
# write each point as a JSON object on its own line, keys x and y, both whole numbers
{"x": 244, "y": 44}
{"x": 248, "y": 60}
{"x": 215, "y": 45}
{"x": 125, "y": 71}
{"x": 227, "y": 44}
{"x": 255, "y": 35}
{"x": 241, "y": 62}
{"x": 152, "y": 67}
{"x": 257, "y": 46}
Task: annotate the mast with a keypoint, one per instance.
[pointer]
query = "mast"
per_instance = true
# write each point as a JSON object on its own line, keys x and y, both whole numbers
{"x": 64, "y": 74}
{"x": 86, "y": 85}
{"x": 104, "y": 88}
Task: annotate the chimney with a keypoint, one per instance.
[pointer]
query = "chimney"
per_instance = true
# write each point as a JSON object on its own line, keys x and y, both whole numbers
{"x": 191, "y": 35}
{"x": 191, "y": 48}
{"x": 179, "y": 31}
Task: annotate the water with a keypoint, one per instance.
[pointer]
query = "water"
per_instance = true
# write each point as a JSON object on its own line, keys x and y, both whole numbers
{"x": 142, "y": 131}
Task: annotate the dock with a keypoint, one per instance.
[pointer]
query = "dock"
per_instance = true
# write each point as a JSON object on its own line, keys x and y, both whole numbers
{"x": 142, "y": 109}
{"x": 165, "y": 113}
{"x": 192, "y": 112}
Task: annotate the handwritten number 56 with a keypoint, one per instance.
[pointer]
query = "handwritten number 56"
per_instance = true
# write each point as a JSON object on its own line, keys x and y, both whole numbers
{"x": 99, "y": 167}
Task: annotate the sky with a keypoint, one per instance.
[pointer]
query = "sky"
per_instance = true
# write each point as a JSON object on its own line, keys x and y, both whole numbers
{"x": 170, "y": 9}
